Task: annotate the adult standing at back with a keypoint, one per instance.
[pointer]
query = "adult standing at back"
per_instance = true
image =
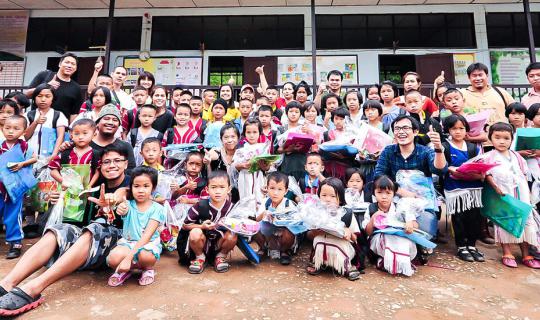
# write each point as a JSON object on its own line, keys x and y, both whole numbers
{"x": 533, "y": 76}
{"x": 68, "y": 97}
{"x": 480, "y": 95}
{"x": 119, "y": 96}
{"x": 334, "y": 81}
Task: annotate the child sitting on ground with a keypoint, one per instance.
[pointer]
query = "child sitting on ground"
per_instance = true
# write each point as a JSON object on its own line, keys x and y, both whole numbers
{"x": 11, "y": 209}
{"x": 340, "y": 254}
{"x": 201, "y": 239}
{"x": 279, "y": 240}
{"x": 140, "y": 245}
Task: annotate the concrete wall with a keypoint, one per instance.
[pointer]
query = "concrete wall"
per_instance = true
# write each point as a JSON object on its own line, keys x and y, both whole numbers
{"x": 367, "y": 58}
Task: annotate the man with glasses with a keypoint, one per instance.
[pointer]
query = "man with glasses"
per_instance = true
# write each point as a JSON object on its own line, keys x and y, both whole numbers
{"x": 66, "y": 248}
{"x": 408, "y": 155}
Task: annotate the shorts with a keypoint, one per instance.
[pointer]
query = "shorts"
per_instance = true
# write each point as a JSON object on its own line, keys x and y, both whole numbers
{"x": 211, "y": 248}
{"x": 153, "y": 247}
{"x": 104, "y": 239}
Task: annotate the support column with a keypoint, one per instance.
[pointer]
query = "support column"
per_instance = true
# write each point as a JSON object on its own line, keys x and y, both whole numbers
{"x": 109, "y": 37}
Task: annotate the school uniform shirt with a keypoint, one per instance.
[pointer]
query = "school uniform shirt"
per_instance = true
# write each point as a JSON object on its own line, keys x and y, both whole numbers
{"x": 74, "y": 159}
{"x": 189, "y": 136}
{"x": 308, "y": 186}
{"x": 267, "y": 205}
{"x": 34, "y": 141}
{"x": 193, "y": 215}
{"x": 199, "y": 126}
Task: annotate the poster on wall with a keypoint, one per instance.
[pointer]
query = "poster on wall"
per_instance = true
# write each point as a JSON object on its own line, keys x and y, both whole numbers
{"x": 14, "y": 25}
{"x": 461, "y": 63}
{"x": 167, "y": 71}
{"x": 508, "y": 67}
{"x": 298, "y": 68}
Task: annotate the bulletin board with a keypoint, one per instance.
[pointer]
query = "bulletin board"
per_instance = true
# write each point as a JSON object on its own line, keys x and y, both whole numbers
{"x": 12, "y": 73}
{"x": 297, "y": 68}
{"x": 166, "y": 70}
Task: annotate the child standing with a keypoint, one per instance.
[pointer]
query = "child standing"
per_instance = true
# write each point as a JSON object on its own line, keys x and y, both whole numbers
{"x": 211, "y": 133}
{"x": 269, "y": 129}
{"x": 196, "y": 121}
{"x": 373, "y": 112}
{"x": 8, "y": 108}
{"x": 182, "y": 132}
{"x": 394, "y": 253}
{"x": 146, "y": 115}
{"x": 353, "y": 101}
{"x": 329, "y": 103}
{"x": 294, "y": 162}
{"x": 100, "y": 96}
{"x": 336, "y": 168}
{"x": 200, "y": 238}
{"x": 151, "y": 153}
{"x": 413, "y": 105}
{"x": 272, "y": 237}
{"x": 11, "y": 209}
{"x": 509, "y": 177}
{"x": 463, "y": 197}
{"x": 313, "y": 177}
{"x": 140, "y": 245}
{"x": 245, "y": 107}
{"x": 129, "y": 119}
{"x": 45, "y": 132}
{"x": 194, "y": 188}
{"x": 341, "y": 254}
{"x": 388, "y": 91}
{"x": 208, "y": 100}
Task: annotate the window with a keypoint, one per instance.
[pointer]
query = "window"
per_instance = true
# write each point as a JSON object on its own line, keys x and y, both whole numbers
{"x": 228, "y": 32}
{"x": 77, "y": 34}
{"x": 221, "y": 69}
{"x": 404, "y": 30}
{"x": 510, "y": 29}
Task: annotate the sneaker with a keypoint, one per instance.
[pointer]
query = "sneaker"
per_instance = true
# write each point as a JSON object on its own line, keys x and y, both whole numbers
{"x": 14, "y": 251}
{"x": 196, "y": 266}
{"x": 221, "y": 265}
{"x": 274, "y": 254}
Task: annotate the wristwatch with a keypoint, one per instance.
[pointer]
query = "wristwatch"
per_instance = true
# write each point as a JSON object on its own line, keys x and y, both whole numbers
{"x": 441, "y": 150}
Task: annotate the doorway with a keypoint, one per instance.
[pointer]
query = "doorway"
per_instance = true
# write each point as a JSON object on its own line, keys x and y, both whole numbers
{"x": 222, "y": 69}
{"x": 393, "y": 67}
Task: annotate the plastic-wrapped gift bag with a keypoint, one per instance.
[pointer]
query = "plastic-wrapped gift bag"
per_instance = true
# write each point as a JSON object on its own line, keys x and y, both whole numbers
{"x": 47, "y": 141}
{"x": 244, "y": 208}
{"x": 415, "y": 181}
{"x": 39, "y": 194}
{"x": 16, "y": 183}
{"x": 212, "y": 137}
{"x": 180, "y": 151}
{"x": 173, "y": 224}
{"x": 165, "y": 179}
{"x": 57, "y": 212}
{"x": 317, "y": 215}
{"x": 76, "y": 178}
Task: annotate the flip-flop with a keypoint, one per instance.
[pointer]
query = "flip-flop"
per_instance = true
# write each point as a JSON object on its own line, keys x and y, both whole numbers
{"x": 117, "y": 279}
{"x": 17, "y": 302}
{"x": 530, "y": 262}
{"x": 3, "y": 291}
{"x": 311, "y": 270}
{"x": 509, "y": 261}
{"x": 147, "y": 277}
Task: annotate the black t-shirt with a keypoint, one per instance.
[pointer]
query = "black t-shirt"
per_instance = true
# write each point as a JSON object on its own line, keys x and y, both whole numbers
{"x": 162, "y": 122}
{"x": 117, "y": 222}
{"x": 122, "y": 145}
{"x": 68, "y": 98}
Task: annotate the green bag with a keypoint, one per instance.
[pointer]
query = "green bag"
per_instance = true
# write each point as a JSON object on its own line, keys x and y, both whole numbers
{"x": 507, "y": 212}
{"x": 528, "y": 139}
{"x": 77, "y": 177}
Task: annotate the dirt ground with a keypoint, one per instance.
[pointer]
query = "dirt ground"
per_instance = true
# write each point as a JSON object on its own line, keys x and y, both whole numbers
{"x": 445, "y": 289}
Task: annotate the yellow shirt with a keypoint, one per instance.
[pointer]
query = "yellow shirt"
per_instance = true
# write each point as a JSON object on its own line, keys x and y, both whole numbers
{"x": 232, "y": 113}
{"x": 158, "y": 167}
{"x": 488, "y": 100}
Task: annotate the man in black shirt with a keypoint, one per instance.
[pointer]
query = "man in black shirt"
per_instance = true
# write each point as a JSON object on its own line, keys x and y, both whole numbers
{"x": 68, "y": 97}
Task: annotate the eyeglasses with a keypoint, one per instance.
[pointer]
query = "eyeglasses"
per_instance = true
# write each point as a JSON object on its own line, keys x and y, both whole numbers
{"x": 112, "y": 161}
{"x": 404, "y": 129}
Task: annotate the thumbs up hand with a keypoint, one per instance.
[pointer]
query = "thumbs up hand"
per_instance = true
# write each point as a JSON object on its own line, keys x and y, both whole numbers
{"x": 440, "y": 79}
{"x": 41, "y": 118}
{"x": 434, "y": 137}
{"x": 123, "y": 207}
{"x": 54, "y": 82}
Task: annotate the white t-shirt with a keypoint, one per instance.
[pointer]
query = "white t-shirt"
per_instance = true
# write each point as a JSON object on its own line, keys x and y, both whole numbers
{"x": 126, "y": 102}
{"x": 34, "y": 140}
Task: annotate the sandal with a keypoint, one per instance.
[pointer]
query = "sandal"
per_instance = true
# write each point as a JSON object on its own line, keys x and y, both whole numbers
{"x": 353, "y": 274}
{"x": 197, "y": 266}
{"x": 477, "y": 255}
{"x": 17, "y": 302}
{"x": 285, "y": 259}
{"x": 147, "y": 277}
{"x": 221, "y": 265}
{"x": 530, "y": 262}
{"x": 117, "y": 279}
{"x": 3, "y": 291}
{"x": 311, "y": 270}
{"x": 465, "y": 255}
{"x": 509, "y": 261}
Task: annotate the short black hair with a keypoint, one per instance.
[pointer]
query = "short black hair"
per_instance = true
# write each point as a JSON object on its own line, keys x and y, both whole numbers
{"x": 271, "y": 87}
{"x": 83, "y": 122}
{"x": 143, "y": 171}
{"x": 452, "y": 90}
{"x": 313, "y": 154}
{"x": 334, "y": 73}
{"x": 113, "y": 147}
{"x": 501, "y": 126}
{"x": 278, "y": 177}
{"x": 183, "y": 105}
{"x": 477, "y": 66}
{"x": 338, "y": 187}
{"x": 20, "y": 98}
{"x": 352, "y": 171}
{"x": 341, "y": 113}
{"x": 375, "y": 85}
{"x": 515, "y": 106}
{"x": 41, "y": 87}
{"x": 358, "y": 96}
{"x": 19, "y": 117}
{"x": 294, "y": 105}
{"x": 149, "y": 141}
{"x": 69, "y": 55}
{"x": 226, "y": 127}
{"x": 196, "y": 154}
{"x": 217, "y": 174}
{"x": 196, "y": 98}
{"x": 391, "y": 85}
{"x": 302, "y": 84}
{"x": 450, "y": 121}
{"x": 250, "y": 121}
{"x": 106, "y": 93}
{"x": 384, "y": 182}
{"x": 324, "y": 101}
{"x": 265, "y": 108}
{"x": 309, "y": 105}
{"x": 532, "y": 66}
{"x": 139, "y": 88}
{"x": 149, "y": 106}
{"x": 373, "y": 104}
{"x": 8, "y": 102}
{"x": 178, "y": 89}
{"x": 414, "y": 123}
{"x": 411, "y": 92}
{"x": 221, "y": 102}
{"x": 146, "y": 75}
{"x": 533, "y": 111}
{"x": 186, "y": 92}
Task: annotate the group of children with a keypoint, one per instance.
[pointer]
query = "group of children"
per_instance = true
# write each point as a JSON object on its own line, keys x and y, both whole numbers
{"x": 219, "y": 174}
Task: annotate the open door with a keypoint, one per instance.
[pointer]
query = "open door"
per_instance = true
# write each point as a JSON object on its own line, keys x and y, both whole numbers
{"x": 270, "y": 70}
{"x": 430, "y": 66}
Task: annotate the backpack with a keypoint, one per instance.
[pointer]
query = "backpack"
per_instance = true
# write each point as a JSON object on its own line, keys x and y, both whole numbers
{"x": 31, "y": 115}
{"x": 132, "y": 118}
{"x": 133, "y": 136}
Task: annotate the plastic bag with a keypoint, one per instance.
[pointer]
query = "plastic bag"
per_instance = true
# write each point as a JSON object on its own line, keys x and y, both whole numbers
{"x": 248, "y": 152}
{"x": 173, "y": 223}
{"x": 212, "y": 137}
{"x": 415, "y": 181}
{"x": 408, "y": 209}
{"x": 355, "y": 201}
{"x": 39, "y": 194}
{"x": 76, "y": 179}
{"x": 294, "y": 187}
{"x": 15, "y": 183}
{"x": 165, "y": 179}
{"x": 57, "y": 212}
{"x": 317, "y": 215}
{"x": 180, "y": 151}
{"x": 244, "y": 208}
{"x": 241, "y": 226}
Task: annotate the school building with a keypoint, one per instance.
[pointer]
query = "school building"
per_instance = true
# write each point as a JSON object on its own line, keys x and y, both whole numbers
{"x": 206, "y": 42}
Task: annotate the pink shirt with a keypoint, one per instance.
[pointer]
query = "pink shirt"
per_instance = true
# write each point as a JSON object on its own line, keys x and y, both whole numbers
{"x": 531, "y": 98}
